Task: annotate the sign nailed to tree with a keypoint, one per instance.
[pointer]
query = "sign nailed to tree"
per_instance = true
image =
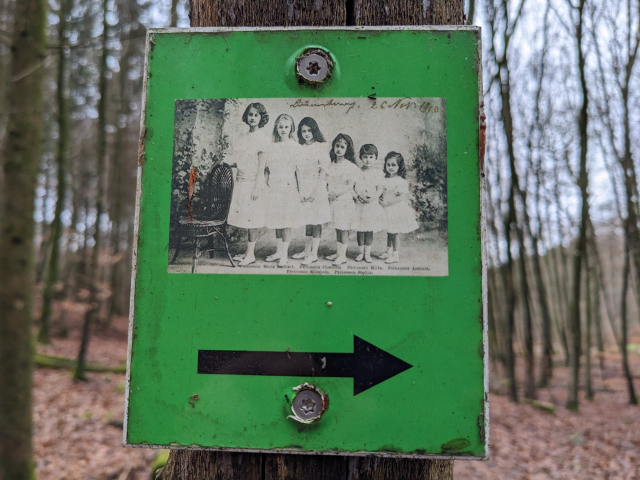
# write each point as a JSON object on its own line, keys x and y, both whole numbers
{"x": 309, "y": 270}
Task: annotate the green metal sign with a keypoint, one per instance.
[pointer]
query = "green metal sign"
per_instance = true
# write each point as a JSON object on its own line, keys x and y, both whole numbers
{"x": 309, "y": 271}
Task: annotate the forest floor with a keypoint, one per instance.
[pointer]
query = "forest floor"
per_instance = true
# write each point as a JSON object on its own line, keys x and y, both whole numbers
{"x": 78, "y": 426}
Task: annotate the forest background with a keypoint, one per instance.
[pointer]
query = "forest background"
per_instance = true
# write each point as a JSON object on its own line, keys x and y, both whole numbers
{"x": 562, "y": 108}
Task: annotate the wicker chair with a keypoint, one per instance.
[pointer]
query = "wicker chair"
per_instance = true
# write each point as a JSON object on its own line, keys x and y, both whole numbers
{"x": 210, "y": 216}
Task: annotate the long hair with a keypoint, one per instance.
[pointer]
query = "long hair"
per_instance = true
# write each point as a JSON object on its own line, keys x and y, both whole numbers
{"x": 275, "y": 135}
{"x": 264, "y": 116}
{"x": 315, "y": 130}
{"x": 402, "y": 169}
{"x": 350, "y": 154}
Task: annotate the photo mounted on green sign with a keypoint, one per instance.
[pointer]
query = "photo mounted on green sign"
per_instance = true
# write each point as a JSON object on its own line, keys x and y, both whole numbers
{"x": 283, "y": 181}
{"x": 336, "y": 235}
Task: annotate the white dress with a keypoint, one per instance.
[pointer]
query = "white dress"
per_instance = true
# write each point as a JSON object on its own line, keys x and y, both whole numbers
{"x": 371, "y": 216}
{"x": 282, "y": 196}
{"x": 400, "y": 217}
{"x": 313, "y": 159}
{"x": 243, "y": 211}
{"x": 343, "y": 208}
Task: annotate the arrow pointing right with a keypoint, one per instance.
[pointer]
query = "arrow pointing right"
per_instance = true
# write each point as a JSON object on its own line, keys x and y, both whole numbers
{"x": 368, "y": 365}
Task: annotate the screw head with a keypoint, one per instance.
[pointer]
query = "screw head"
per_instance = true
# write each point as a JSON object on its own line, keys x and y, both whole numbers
{"x": 309, "y": 404}
{"x": 314, "y": 65}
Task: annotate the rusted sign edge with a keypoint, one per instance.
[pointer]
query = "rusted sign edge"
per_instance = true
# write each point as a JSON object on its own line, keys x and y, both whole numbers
{"x": 136, "y": 234}
{"x": 435, "y": 28}
{"x": 483, "y": 423}
{"x": 417, "y": 456}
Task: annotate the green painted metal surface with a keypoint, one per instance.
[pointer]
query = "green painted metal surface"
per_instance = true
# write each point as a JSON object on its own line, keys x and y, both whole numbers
{"x": 437, "y": 407}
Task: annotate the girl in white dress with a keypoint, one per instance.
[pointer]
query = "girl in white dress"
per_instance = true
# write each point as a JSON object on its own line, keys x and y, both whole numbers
{"x": 247, "y": 209}
{"x": 341, "y": 177}
{"x": 368, "y": 190}
{"x": 283, "y": 197}
{"x": 399, "y": 216}
{"x": 314, "y": 163}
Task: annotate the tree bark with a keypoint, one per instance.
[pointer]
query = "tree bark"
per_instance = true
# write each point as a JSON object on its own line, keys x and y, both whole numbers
{"x": 595, "y": 293}
{"x": 512, "y": 223}
{"x": 174, "y": 13}
{"x": 195, "y": 465}
{"x": 500, "y": 33}
{"x": 44, "y": 335}
{"x": 546, "y": 362}
{"x": 94, "y": 267}
{"x": 556, "y": 264}
{"x": 202, "y": 465}
{"x": 589, "y": 326}
{"x": 21, "y": 160}
{"x": 633, "y": 400}
{"x": 6, "y": 26}
{"x": 116, "y": 184}
{"x": 42, "y": 256}
{"x": 581, "y": 246}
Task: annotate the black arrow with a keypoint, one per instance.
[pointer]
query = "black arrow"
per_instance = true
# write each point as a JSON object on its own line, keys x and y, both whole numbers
{"x": 367, "y": 365}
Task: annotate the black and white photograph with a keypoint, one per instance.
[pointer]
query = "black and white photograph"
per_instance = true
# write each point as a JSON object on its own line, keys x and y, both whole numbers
{"x": 309, "y": 186}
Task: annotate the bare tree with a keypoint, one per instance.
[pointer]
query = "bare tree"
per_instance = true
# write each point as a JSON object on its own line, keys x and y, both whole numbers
{"x": 633, "y": 400}
{"x": 44, "y": 334}
{"x": 580, "y": 251}
{"x": 623, "y": 52}
{"x": 503, "y": 19}
{"x": 94, "y": 276}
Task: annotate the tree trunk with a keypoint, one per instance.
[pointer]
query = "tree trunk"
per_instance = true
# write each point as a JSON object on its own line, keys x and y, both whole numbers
{"x": 530, "y": 383}
{"x": 581, "y": 246}
{"x": 45, "y": 228}
{"x": 471, "y": 10}
{"x": 507, "y": 121}
{"x": 194, "y": 465}
{"x": 602, "y": 287}
{"x": 556, "y": 264}
{"x": 509, "y": 225}
{"x": 588, "y": 298}
{"x": 116, "y": 178}
{"x": 501, "y": 32}
{"x": 6, "y": 27}
{"x": 94, "y": 267}
{"x": 533, "y": 143}
{"x": 44, "y": 335}
{"x": 595, "y": 293}
{"x": 546, "y": 362}
{"x": 174, "y": 13}
{"x": 21, "y": 160}
{"x": 633, "y": 400}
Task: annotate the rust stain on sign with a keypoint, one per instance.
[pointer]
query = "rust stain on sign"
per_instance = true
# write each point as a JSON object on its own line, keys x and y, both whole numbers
{"x": 141, "y": 148}
{"x": 483, "y": 136}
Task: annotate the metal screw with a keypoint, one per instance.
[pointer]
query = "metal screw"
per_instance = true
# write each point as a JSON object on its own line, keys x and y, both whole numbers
{"x": 309, "y": 404}
{"x": 314, "y": 65}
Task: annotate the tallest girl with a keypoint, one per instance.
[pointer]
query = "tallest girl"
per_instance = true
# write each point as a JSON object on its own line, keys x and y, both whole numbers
{"x": 247, "y": 209}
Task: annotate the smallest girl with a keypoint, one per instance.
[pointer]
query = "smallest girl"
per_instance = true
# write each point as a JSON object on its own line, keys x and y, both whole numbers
{"x": 399, "y": 215}
{"x": 368, "y": 189}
